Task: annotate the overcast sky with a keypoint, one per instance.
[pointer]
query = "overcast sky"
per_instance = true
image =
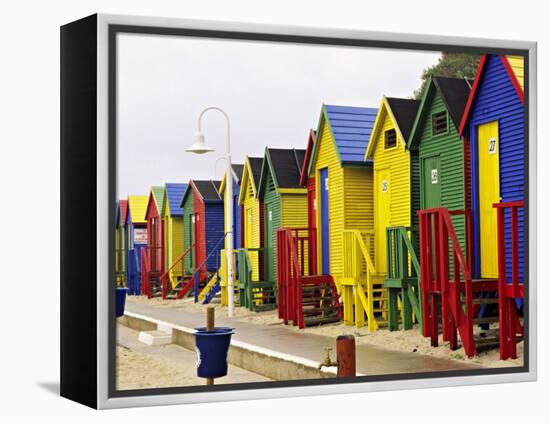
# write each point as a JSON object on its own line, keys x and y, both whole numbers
{"x": 272, "y": 92}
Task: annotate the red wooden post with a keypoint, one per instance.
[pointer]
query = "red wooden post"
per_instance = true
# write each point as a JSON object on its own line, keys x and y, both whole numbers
{"x": 345, "y": 356}
{"x": 502, "y": 309}
{"x": 444, "y": 276}
{"x": 515, "y": 261}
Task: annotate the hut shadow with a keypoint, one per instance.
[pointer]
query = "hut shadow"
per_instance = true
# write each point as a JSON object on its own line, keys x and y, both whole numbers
{"x": 51, "y": 387}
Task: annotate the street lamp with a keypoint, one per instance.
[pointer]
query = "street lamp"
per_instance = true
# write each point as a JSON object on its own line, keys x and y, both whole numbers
{"x": 200, "y": 147}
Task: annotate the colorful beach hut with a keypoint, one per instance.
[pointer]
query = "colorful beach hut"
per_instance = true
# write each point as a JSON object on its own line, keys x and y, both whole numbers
{"x": 136, "y": 232}
{"x": 203, "y": 226}
{"x": 443, "y": 179}
{"x": 344, "y": 208}
{"x": 252, "y": 211}
{"x": 173, "y": 230}
{"x": 494, "y": 121}
{"x": 155, "y": 239}
{"x": 395, "y": 206}
{"x": 284, "y": 199}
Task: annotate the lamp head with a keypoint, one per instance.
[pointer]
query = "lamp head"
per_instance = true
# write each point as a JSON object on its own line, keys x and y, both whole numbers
{"x": 199, "y": 146}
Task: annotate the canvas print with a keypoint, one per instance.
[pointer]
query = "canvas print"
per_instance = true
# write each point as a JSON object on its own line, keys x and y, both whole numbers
{"x": 294, "y": 212}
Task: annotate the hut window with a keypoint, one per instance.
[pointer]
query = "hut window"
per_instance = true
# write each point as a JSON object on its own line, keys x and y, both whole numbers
{"x": 439, "y": 123}
{"x": 390, "y": 138}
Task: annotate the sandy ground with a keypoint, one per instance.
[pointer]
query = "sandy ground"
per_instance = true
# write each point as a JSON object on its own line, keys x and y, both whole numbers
{"x": 409, "y": 341}
{"x": 141, "y": 366}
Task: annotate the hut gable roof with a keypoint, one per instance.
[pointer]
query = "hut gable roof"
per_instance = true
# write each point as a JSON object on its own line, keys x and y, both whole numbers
{"x": 284, "y": 165}
{"x": 207, "y": 189}
{"x": 256, "y": 169}
{"x": 401, "y": 111}
{"x": 453, "y": 91}
{"x": 477, "y": 82}
{"x": 404, "y": 111}
{"x": 251, "y": 175}
{"x": 137, "y": 206}
{"x": 156, "y": 198}
{"x": 351, "y": 128}
{"x": 122, "y": 210}
{"x": 173, "y": 196}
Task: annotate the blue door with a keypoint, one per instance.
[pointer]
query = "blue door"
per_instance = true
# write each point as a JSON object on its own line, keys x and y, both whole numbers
{"x": 324, "y": 221}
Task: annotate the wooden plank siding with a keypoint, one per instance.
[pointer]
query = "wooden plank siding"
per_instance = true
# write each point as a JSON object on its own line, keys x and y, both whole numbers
{"x": 359, "y": 201}
{"x": 495, "y": 98}
{"x": 188, "y": 232}
{"x": 516, "y": 62}
{"x": 294, "y": 214}
{"x": 398, "y": 161}
{"x": 272, "y": 199}
{"x": 450, "y": 150}
{"x": 327, "y": 157}
{"x": 251, "y": 217}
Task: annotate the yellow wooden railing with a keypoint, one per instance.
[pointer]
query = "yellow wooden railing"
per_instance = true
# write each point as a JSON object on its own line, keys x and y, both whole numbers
{"x": 223, "y": 274}
{"x": 360, "y": 285}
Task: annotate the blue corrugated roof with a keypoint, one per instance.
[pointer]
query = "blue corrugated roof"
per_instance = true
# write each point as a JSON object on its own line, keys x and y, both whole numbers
{"x": 174, "y": 193}
{"x": 351, "y": 127}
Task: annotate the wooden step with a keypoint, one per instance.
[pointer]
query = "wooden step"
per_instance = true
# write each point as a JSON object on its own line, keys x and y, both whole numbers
{"x": 486, "y": 342}
{"x": 319, "y": 320}
{"x": 316, "y": 279}
{"x": 484, "y": 285}
{"x": 483, "y": 320}
{"x": 485, "y": 301}
{"x": 310, "y": 311}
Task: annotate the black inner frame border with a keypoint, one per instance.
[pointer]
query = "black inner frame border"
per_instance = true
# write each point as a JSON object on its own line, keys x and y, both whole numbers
{"x": 115, "y": 29}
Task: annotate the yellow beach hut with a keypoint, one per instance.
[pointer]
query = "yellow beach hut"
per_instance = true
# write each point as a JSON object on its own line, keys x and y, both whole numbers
{"x": 251, "y": 210}
{"x": 344, "y": 209}
{"x": 394, "y": 166}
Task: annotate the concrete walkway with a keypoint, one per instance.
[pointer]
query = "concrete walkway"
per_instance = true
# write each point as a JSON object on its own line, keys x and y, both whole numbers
{"x": 370, "y": 360}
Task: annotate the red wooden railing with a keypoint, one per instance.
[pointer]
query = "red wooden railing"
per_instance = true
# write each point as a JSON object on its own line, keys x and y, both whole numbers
{"x": 293, "y": 246}
{"x": 144, "y": 272}
{"x": 508, "y": 292}
{"x": 166, "y": 275}
{"x": 436, "y": 230}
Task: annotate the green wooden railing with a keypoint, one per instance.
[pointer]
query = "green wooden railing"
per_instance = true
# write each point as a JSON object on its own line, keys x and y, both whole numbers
{"x": 254, "y": 294}
{"x": 402, "y": 278}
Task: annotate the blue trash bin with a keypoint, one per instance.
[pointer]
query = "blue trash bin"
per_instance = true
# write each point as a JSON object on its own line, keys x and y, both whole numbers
{"x": 120, "y": 301}
{"x": 212, "y": 348}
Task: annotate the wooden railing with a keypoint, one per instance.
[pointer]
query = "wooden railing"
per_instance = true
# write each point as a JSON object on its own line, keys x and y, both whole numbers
{"x": 457, "y": 311}
{"x": 402, "y": 278}
{"x": 254, "y": 294}
{"x": 359, "y": 274}
{"x": 510, "y": 283}
{"x": 202, "y": 269}
{"x": 165, "y": 277}
{"x": 145, "y": 272}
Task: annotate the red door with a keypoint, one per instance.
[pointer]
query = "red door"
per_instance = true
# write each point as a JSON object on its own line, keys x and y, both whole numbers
{"x": 312, "y": 224}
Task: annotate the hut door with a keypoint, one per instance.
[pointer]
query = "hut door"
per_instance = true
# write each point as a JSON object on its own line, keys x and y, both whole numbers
{"x": 325, "y": 222}
{"x": 248, "y": 228}
{"x": 269, "y": 239}
{"x": 489, "y": 193}
{"x": 383, "y": 216}
{"x": 431, "y": 184}
{"x": 197, "y": 239}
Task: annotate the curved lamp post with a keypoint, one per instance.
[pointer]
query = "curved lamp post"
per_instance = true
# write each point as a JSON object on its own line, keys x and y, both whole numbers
{"x": 200, "y": 147}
